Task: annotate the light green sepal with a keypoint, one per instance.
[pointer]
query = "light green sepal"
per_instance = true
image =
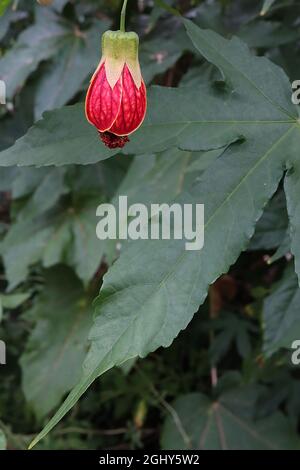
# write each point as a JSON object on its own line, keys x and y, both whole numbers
{"x": 118, "y": 49}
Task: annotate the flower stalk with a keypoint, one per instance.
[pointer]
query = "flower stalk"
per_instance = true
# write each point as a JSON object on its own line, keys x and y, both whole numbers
{"x": 116, "y": 100}
{"x": 123, "y": 17}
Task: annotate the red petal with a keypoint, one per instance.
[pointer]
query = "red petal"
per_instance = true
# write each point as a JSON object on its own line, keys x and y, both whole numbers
{"x": 102, "y": 102}
{"x": 133, "y": 106}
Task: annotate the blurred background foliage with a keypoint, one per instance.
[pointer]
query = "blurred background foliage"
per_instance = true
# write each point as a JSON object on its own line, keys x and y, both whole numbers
{"x": 236, "y": 350}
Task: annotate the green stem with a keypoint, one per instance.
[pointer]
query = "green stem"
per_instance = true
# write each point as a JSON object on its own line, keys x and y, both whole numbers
{"x": 123, "y": 16}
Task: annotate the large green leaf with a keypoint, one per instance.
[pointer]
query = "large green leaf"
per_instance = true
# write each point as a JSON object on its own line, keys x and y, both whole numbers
{"x": 61, "y": 137}
{"x": 51, "y": 187}
{"x": 63, "y": 233}
{"x": 76, "y": 141}
{"x": 228, "y": 423}
{"x": 26, "y": 181}
{"x": 53, "y": 356}
{"x": 192, "y": 119}
{"x": 185, "y": 118}
{"x": 163, "y": 176}
{"x": 153, "y": 290}
{"x": 54, "y": 216}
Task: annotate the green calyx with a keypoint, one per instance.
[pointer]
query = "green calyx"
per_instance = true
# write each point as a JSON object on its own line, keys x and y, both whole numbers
{"x": 118, "y": 45}
{"x": 118, "y": 49}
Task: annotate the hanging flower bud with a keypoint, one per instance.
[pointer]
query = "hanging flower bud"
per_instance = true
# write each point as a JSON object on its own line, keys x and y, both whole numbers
{"x": 116, "y": 101}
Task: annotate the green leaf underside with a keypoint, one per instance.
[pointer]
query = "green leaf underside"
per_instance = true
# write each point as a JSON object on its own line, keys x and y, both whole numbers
{"x": 53, "y": 237}
{"x": 281, "y": 314}
{"x": 2, "y": 440}
{"x": 225, "y": 424}
{"x": 138, "y": 309}
{"x": 275, "y": 215}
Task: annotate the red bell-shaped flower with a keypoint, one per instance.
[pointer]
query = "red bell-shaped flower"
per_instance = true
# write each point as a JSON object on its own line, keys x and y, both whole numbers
{"x": 116, "y": 100}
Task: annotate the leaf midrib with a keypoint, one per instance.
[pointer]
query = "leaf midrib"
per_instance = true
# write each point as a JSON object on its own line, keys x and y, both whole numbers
{"x": 235, "y": 68}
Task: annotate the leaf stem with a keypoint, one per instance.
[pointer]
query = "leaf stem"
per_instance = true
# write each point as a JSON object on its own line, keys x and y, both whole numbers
{"x": 123, "y": 16}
